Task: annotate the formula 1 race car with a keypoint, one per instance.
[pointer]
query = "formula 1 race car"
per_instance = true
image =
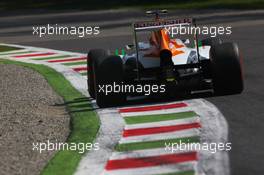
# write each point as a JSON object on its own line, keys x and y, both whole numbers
{"x": 172, "y": 64}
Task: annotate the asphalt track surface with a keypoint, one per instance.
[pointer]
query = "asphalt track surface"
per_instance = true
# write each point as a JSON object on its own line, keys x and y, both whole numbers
{"x": 244, "y": 113}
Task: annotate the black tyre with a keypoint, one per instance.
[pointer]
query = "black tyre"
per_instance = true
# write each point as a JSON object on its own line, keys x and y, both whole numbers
{"x": 93, "y": 54}
{"x": 107, "y": 72}
{"x": 211, "y": 41}
{"x": 226, "y": 67}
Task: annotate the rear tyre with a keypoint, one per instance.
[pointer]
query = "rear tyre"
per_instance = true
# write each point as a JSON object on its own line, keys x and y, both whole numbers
{"x": 227, "y": 75}
{"x": 92, "y": 55}
{"x": 108, "y": 74}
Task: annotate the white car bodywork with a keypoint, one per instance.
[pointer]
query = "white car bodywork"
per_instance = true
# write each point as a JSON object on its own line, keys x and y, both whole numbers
{"x": 189, "y": 55}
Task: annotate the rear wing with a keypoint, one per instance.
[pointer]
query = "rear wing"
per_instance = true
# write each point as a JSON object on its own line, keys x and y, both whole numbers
{"x": 158, "y": 24}
{"x": 151, "y": 25}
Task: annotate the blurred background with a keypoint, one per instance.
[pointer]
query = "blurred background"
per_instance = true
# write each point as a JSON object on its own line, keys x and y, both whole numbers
{"x": 244, "y": 113}
{"x": 115, "y": 4}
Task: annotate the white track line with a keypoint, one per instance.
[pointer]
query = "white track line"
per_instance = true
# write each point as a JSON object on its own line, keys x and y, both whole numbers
{"x": 162, "y": 136}
{"x": 77, "y": 66}
{"x": 145, "y": 153}
{"x": 214, "y": 130}
{"x": 173, "y": 168}
{"x": 164, "y": 123}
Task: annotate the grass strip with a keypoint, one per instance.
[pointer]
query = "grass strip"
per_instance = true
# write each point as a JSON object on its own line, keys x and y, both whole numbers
{"x": 191, "y": 172}
{"x": 158, "y": 117}
{"x": 84, "y": 121}
{"x": 20, "y": 52}
{"x": 154, "y": 144}
{"x": 17, "y": 52}
{"x": 75, "y": 63}
{"x": 53, "y": 57}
